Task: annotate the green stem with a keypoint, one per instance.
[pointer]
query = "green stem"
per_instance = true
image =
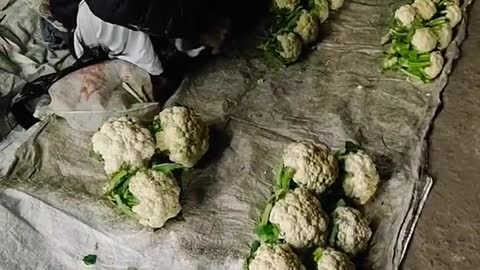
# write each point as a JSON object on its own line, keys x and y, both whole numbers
{"x": 404, "y": 71}
{"x": 167, "y": 167}
{"x": 333, "y": 235}
{"x": 266, "y": 214}
{"x": 283, "y": 182}
{"x": 317, "y": 254}
{"x": 125, "y": 209}
{"x": 437, "y": 22}
{"x": 116, "y": 180}
{"x": 400, "y": 31}
{"x": 417, "y": 65}
{"x": 424, "y": 57}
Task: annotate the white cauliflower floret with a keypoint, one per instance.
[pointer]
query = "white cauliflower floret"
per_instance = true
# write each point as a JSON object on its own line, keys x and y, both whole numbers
{"x": 307, "y": 27}
{"x": 406, "y": 15}
{"x": 424, "y": 40}
{"x": 330, "y": 259}
{"x": 436, "y": 65}
{"x": 287, "y": 4}
{"x": 291, "y": 46}
{"x": 321, "y": 9}
{"x": 157, "y": 195}
{"x": 352, "y": 231}
{"x": 123, "y": 141}
{"x": 426, "y": 9}
{"x": 300, "y": 219}
{"x": 336, "y": 4}
{"x": 444, "y": 36}
{"x": 183, "y": 135}
{"x": 279, "y": 257}
{"x": 362, "y": 179}
{"x": 315, "y": 169}
{"x": 453, "y": 14}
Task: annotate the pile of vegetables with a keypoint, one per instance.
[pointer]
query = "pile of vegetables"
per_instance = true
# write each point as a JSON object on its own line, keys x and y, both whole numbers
{"x": 419, "y": 33}
{"x": 296, "y": 24}
{"x": 296, "y": 231}
{"x": 141, "y": 161}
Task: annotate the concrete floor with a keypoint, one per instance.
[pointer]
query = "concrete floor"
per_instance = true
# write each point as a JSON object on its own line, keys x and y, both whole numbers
{"x": 448, "y": 233}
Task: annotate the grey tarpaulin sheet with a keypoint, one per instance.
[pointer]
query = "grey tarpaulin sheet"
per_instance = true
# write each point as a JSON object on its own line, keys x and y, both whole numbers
{"x": 51, "y": 213}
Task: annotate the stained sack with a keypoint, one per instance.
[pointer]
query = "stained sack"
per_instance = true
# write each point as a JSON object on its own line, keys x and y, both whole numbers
{"x": 91, "y": 95}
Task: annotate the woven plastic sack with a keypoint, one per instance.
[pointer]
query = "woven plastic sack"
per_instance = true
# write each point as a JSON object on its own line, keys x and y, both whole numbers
{"x": 89, "y": 96}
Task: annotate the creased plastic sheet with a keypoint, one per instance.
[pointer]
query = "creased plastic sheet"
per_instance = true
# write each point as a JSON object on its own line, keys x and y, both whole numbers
{"x": 52, "y": 214}
{"x": 96, "y": 93}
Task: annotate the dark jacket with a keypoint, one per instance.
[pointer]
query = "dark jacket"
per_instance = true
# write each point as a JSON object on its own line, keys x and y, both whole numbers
{"x": 65, "y": 11}
{"x": 170, "y": 18}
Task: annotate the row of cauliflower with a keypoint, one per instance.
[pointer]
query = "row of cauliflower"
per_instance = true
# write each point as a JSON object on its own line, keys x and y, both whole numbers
{"x": 296, "y": 25}
{"x": 295, "y": 231}
{"x": 418, "y": 35}
{"x": 140, "y": 158}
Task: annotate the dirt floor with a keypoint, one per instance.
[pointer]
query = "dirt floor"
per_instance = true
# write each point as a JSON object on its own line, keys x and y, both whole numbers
{"x": 448, "y": 233}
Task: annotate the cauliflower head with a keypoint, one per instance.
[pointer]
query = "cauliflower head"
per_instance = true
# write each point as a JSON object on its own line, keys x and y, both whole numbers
{"x": 444, "y": 36}
{"x": 300, "y": 219}
{"x": 291, "y": 47}
{"x": 287, "y": 4}
{"x": 330, "y": 259}
{"x": 158, "y": 197}
{"x": 436, "y": 65}
{"x": 424, "y": 40}
{"x": 182, "y": 135}
{"x": 453, "y": 14}
{"x": 278, "y": 257}
{"x": 336, "y": 4}
{"x": 426, "y": 9}
{"x": 362, "y": 178}
{"x": 315, "y": 169}
{"x": 406, "y": 15}
{"x": 321, "y": 10}
{"x": 351, "y": 232}
{"x": 123, "y": 141}
{"x": 307, "y": 27}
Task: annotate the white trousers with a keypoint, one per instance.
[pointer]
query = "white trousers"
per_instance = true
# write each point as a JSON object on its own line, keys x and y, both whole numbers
{"x": 122, "y": 43}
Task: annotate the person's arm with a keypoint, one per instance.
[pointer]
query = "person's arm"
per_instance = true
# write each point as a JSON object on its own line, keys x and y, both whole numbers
{"x": 121, "y": 43}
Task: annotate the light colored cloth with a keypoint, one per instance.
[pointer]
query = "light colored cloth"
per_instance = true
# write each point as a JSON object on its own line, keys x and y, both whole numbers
{"x": 97, "y": 93}
{"x": 122, "y": 43}
{"x": 180, "y": 45}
